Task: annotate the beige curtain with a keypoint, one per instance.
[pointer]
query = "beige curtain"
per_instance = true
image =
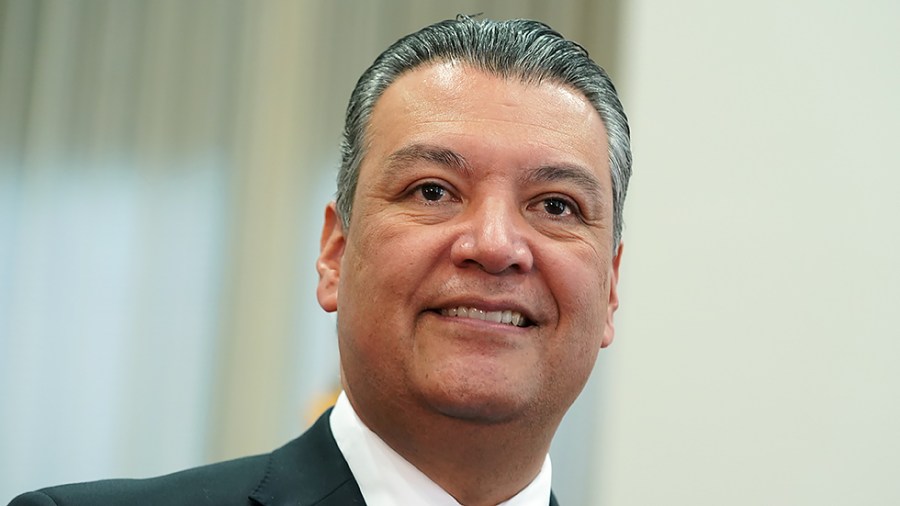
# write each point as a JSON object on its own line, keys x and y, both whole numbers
{"x": 163, "y": 165}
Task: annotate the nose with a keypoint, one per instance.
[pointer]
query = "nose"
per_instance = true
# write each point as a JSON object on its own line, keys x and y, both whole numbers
{"x": 493, "y": 238}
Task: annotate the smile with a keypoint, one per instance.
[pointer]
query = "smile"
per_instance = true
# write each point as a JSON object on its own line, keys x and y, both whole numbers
{"x": 508, "y": 317}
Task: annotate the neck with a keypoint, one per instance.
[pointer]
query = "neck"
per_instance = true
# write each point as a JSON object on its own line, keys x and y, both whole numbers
{"x": 479, "y": 464}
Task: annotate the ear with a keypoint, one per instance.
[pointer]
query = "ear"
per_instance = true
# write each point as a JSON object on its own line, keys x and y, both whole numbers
{"x": 609, "y": 330}
{"x": 331, "y": 251}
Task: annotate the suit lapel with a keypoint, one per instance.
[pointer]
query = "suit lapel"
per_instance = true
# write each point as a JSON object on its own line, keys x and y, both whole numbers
{"x": 309, "y": 471}
{"x": 553, "y": 499}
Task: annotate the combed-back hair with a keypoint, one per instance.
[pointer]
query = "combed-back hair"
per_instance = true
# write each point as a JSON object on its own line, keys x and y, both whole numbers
{"x": 521, "y": 49}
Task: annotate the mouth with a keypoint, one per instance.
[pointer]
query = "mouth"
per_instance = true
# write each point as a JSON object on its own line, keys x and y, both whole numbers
{"x": 506, "y": 317}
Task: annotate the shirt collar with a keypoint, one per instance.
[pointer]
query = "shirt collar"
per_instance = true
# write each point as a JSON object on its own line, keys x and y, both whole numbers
{"x": 387, "y": 479}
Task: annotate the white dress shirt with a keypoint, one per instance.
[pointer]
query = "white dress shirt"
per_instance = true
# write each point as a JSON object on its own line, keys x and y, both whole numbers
{"x": 387, "y": 479}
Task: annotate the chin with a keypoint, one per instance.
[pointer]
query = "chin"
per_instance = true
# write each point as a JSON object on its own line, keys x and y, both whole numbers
{"x": 483, "y": 413}
{"x": 479, "y": 406}
{"x": 479, "y": 388}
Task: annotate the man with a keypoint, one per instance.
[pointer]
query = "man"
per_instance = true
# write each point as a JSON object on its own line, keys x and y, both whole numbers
{"x": 472, "y": 255}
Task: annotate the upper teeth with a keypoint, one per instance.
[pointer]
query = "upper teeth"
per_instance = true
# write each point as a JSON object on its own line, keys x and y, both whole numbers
{"x": 508, "y": 317}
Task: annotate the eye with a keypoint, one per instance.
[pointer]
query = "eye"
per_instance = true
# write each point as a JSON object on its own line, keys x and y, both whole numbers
{"x": 432, "y": 192}
{"x": 557, "y": 206}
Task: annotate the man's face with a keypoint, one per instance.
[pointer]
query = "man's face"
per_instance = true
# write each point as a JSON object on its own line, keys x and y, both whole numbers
{"x": 477, "y": 278}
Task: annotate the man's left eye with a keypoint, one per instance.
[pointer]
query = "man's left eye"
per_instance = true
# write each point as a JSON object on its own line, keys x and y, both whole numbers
{"x": 557, "y": 207}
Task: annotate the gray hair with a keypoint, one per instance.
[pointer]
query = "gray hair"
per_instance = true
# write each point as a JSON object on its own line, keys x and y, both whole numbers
{"x": 523, "y": 49}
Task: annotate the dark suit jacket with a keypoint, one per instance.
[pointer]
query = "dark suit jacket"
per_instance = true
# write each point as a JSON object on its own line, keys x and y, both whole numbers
{"x": 308, "y": 471}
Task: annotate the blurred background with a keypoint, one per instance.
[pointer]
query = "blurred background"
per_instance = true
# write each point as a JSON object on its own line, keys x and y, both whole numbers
{"x": 164, "y": 166}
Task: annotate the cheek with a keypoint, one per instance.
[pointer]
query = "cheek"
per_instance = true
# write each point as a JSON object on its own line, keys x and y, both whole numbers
{"x": 580, "y": 286}
{"x": 579, "y": 278}
{"x": 400, "y": 252}
{"x": 371, "y": 252}
{"x": 385, "y": 269}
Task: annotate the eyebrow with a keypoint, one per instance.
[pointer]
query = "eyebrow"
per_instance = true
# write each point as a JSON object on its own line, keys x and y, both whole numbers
{"x": 413, "y": 153}
{"x": 580, "y": 176}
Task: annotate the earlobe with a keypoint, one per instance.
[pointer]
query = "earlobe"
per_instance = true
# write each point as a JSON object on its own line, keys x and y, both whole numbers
{"x": 609, "y": 330}
{"x": 331, "y": 250}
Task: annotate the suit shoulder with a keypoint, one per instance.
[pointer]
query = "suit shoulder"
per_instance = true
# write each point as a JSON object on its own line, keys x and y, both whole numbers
{"x": 33, "y": 499}
{"x": 222, "y": 484}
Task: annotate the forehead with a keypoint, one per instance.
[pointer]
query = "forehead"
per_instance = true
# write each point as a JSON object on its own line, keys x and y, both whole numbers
{"x": 485, "y": 117}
